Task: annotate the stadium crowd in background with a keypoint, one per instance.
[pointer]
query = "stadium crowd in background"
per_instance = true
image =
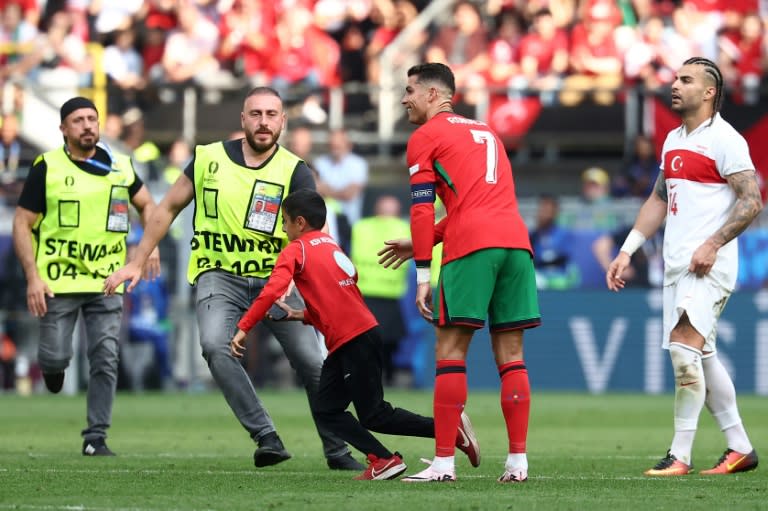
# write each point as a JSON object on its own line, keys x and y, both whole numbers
{"x": 308, "y": 45}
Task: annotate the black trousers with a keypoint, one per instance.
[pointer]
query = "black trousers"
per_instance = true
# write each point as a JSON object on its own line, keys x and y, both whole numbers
{"x": 352, "y": 374}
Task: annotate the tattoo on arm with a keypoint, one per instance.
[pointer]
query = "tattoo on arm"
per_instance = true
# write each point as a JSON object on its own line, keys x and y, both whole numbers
{"x": 747, "y": 207}
{"x": 660, "y": 188}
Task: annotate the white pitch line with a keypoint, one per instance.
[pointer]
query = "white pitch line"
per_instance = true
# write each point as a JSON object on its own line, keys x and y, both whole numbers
{"x": 174, "y": 455}
{"x": 140, "y": 471}
{"x": 461, "y": 476}
{"x": 191, "y": 455}
{"x": 87, "y": 508}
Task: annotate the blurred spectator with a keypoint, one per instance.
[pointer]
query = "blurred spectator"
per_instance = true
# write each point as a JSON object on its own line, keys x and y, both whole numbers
{"x": 189, "y": 54}
{"x": 29, "y": 10}
{"x": 595, "y": 62}
{"x": 10, "y": 149}
{"x": 352, "y": 39}
{"x": 699, "y": 28}
{"x": 112, "y": 15}
{"x": 179, "y": 155}
{"x": 15, "y": 159}
{"x": 125, "y": 71}
{"x": 382, "y": 288}
{"x": 248, "y": 38}
{"x": 304, "y": 60}
{"x": 464, "y": 47}
{"x": 300, "y": 143}
{"x": 646, "y": 267}
{"x": 352, "y": 36}
{"x": 543, "y": 56}
{"x": 743, "y": 58}
{"x": 639, "y": 176}
{"x": 112, "y": 132}
{"x": 596, "y": 210}
{"x": 654, "y": 58}
{"x": 17, "y": 36}
{"x": 551, "y": 248}
{"x": 157, "y": 19}
{"x": 342, "y": 175}
{"x": 504, "y": 50}
{"x": 145, "y": 154}
{"x": 563, "y": 11}
{"x": 171, "y": 167}
{"x": 59, "y": 59}
{"x": 147, "y": 310}
{"x": 395, "y": 17}
{"x": 7, "y": 359}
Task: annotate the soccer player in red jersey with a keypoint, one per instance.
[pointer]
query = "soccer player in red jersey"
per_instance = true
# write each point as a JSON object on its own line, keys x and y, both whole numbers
{"x": 487, "y": 267}
{"x": 327, "y": 280}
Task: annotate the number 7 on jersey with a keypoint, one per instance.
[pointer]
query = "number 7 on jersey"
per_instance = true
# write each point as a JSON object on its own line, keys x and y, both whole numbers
{"x": 491, "y": 155}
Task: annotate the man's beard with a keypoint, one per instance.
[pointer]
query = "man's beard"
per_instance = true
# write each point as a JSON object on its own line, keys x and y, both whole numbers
{"x": 261, "y": 147}
{"x": 86, "y": 146}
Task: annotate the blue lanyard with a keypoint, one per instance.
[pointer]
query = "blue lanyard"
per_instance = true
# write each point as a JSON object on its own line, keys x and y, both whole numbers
{"x": 94, "y": 162}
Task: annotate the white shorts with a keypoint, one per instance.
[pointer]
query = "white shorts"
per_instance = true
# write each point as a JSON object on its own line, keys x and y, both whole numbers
{"x": 703, "y": 299}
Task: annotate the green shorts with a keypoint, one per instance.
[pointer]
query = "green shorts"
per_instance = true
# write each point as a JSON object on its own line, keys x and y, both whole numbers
{"x": 494, "y": 283}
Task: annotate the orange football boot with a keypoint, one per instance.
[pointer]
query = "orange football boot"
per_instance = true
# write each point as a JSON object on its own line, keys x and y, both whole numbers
{"x": 669, "y": 466}
{"x": 732, "y": 462}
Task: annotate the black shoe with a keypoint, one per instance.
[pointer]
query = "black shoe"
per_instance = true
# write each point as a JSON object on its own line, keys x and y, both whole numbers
{"x": 96, "y": 447}
{"x": 271, "y": 451}
{"x": 345, "y": 462}
{"x": 54, "y": 381}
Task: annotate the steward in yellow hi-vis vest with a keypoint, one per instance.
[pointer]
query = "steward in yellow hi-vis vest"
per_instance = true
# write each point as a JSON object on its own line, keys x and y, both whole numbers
{"x": 69, "y": 232}
{"x": 368, "y": 236}
{"x": 80, "y": 239}
{"x": 237, "y": 187}
{"x": 238, "y": 224}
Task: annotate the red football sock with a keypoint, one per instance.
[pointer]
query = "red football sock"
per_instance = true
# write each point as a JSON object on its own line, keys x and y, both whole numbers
{"x": 450, "y": 397}
{"x": 515, "y": 403}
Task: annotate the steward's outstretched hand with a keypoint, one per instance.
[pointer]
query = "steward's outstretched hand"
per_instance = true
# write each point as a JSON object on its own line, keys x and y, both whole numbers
{"x": 131, "y": 272}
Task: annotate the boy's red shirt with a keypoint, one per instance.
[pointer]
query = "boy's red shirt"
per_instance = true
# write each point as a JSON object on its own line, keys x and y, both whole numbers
{"x": 327, "y": 280}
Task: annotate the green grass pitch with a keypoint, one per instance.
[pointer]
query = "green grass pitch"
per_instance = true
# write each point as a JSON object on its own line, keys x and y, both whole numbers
{"x": 187, "y": 452}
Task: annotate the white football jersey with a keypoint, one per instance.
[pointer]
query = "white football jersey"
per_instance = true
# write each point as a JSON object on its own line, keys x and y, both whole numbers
{"x": 699, "y": 198}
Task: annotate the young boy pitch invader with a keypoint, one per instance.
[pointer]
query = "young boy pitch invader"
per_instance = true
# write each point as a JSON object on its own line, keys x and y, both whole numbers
{"x": 327, "y": 280}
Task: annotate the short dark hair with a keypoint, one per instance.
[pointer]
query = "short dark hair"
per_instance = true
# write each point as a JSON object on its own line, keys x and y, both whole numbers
{"x": 263, "y": 90}
{"x": 434, "y": 72}
{"x": 306, "y": 203}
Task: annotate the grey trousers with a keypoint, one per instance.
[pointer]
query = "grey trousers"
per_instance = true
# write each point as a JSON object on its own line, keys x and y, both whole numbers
{"x": 222, "y": 299}
{"x": 102, "y": 316}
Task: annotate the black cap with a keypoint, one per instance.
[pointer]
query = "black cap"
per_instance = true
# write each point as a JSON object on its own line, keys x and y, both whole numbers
{"x": 74, "y": 104}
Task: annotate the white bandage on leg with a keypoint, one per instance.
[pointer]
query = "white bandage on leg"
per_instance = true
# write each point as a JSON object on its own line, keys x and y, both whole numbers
{"x": 690, "y": 392}
{"x": 721, "y": 403}
{"x": 690, "y": 389}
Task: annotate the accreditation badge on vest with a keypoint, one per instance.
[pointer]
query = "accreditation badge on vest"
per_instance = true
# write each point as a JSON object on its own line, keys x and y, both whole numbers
{"x": 117, "y": 218}
{"x": 264, "y": 207}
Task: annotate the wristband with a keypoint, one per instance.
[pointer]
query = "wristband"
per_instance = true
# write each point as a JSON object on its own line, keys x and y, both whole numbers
{"x": 635, "y": 240}
{"x": 423, "y": 275}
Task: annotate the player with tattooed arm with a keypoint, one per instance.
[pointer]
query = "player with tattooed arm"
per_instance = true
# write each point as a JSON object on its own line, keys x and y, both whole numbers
{"x": 708, "y": 193}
